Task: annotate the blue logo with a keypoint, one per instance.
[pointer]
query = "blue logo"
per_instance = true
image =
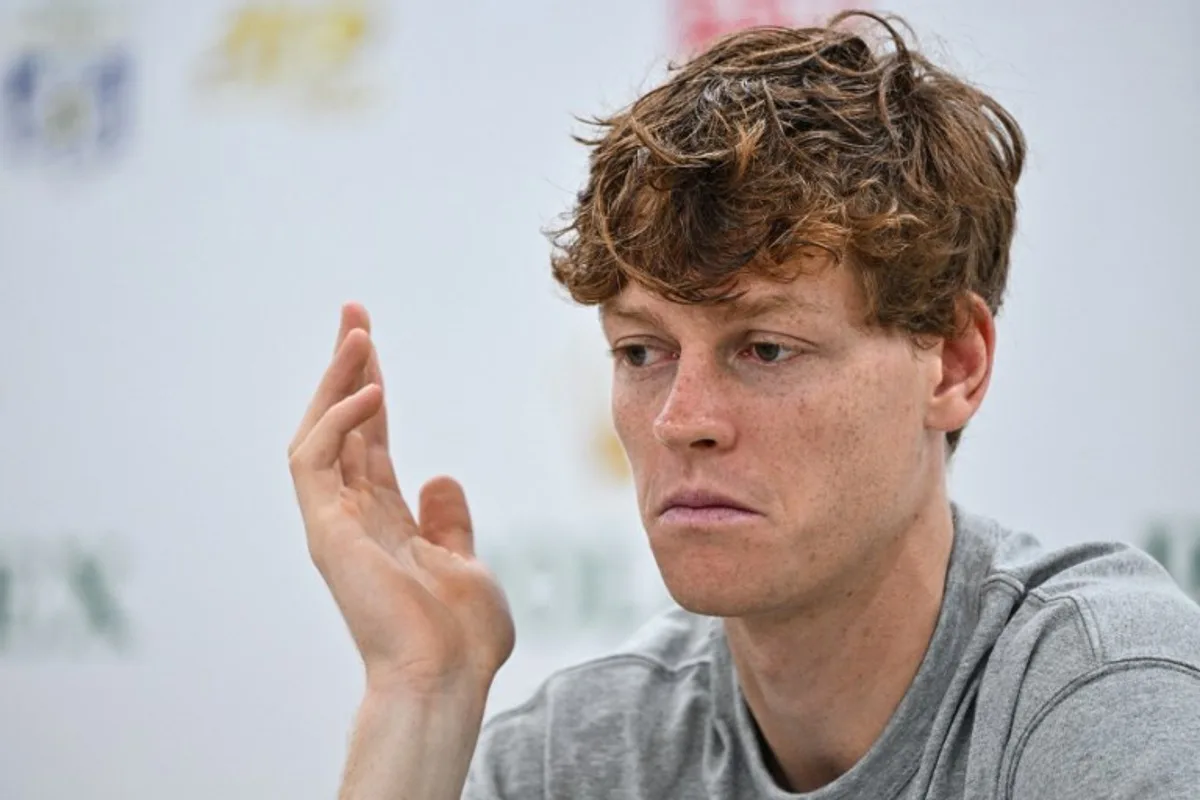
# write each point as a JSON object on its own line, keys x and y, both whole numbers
{"x": 61, "y": 104}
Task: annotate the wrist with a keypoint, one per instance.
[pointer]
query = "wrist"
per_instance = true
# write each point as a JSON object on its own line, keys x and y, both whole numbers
{"x": 416, "y": 744}
{"x": 459, "y": 697}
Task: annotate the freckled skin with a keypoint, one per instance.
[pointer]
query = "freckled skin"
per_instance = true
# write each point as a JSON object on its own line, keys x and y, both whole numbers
{"x": 817, "y": 421}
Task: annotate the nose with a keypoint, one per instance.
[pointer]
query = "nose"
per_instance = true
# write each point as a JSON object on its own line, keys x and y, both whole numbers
{"x": 695, "y": 415}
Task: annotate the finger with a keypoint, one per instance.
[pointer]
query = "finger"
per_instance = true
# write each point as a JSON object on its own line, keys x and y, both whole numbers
{"x": 353, "y": 316}
{"x": 353, "y": 458}
{"x": 341, "y": 378}
{"x": 445, "y": 518}
{"x": 376, "y": 430}
{"x": 314, "y": 461}
{"x": 380, "y": 470}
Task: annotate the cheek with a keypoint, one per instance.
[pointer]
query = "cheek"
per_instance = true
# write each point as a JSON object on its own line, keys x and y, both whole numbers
{"x": 853, "y": 422}
{"x": 876, "y": 425}
{"x": 633, "y": 411}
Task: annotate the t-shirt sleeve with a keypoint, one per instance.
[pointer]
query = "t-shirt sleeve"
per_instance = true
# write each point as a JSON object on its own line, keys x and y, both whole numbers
{"x": 509, "y": 760}
{"x": 1127, "y": 731}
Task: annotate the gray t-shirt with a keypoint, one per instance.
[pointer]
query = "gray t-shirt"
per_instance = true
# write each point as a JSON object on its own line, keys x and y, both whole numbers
{"x": 1064, "y": 675}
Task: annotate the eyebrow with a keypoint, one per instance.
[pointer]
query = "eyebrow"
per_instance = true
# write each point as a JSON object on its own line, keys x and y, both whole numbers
{"x": 770, "y": 303}
{"x": 613, "y": 311}
{"x": 751, "y": 308}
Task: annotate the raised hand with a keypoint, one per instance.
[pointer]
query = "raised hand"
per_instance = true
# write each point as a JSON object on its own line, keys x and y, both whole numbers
{"x": 427, "y": 617}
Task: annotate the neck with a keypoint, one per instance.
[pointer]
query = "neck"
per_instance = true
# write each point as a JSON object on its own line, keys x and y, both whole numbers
{"x": 822, "y": 682}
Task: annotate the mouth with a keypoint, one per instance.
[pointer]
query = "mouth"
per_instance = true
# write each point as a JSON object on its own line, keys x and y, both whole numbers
{"x": 701, "y": 507}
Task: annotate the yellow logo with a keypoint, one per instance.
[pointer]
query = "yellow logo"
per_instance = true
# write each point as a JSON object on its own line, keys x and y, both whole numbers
{"x": 607, "y": 452}
{"x": 586, "y": 391}
{"x": 312, "y": 51}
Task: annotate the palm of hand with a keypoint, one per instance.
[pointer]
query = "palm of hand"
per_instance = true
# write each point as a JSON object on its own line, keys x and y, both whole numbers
{"x": 422, "y": 610}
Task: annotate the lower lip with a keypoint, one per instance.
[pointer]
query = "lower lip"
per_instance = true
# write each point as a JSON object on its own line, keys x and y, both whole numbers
{"x": 705, "y": 515}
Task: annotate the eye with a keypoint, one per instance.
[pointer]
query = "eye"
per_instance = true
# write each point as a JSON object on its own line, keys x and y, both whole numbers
{"x": 770, "y": 352}
{"x": 639, "y": 355}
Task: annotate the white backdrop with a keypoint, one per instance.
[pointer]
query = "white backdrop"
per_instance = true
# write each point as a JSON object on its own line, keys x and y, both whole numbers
{"x": 167, "y": 307}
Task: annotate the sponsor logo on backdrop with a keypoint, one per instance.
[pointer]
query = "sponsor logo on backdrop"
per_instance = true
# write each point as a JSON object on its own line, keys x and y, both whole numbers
{"x": 61, "y": 596}
{"x": 587, "y": 396}
{"x": 589, "y": 576}
{"x": 311, "y": 55}
{"x": 67, "y": 84}
{"x": 1175, "y": 543}
{"x": 565, "y": 581}
{"x": 607, "y": 453}
{"x": 698, "y": 22}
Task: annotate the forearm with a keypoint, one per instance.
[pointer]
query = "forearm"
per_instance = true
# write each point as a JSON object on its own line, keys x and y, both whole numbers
{"x": 408, "y": 748}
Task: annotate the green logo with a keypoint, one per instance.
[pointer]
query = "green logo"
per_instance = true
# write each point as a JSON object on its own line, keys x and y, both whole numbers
{"x": 1175, "y": 543}
{"x": 566, "y": 585}
{"x": 61, "y": 596}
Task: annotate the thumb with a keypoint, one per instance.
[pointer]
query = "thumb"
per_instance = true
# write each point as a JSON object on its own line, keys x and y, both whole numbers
{"x": 444, "y": 517}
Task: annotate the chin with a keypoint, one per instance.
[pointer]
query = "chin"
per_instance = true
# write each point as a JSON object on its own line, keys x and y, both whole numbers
{"x": 762, "y": 600}
{"x": 712, "y": 604}
{"x": 735, "y": 573}
{"x": 719, "y": 587}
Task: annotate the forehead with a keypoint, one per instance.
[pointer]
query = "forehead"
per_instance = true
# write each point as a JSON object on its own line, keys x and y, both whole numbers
{"x": 828, "y": 293}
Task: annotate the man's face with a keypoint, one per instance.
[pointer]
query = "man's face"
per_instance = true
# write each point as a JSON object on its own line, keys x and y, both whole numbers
{"x": 778, "y": 443}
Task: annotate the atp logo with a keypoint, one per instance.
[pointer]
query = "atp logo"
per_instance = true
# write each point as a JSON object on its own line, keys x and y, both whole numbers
{"x": 309, "y": 53}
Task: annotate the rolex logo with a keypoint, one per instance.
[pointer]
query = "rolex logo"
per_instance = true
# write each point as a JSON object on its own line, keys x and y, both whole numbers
{"x": 61, "y": 596}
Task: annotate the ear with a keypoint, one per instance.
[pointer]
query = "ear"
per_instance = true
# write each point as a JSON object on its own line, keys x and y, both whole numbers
{"x": 965, "y": 360}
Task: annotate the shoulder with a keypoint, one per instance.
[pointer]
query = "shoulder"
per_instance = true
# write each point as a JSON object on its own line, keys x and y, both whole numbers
{"x": 1101, "y": 602}
{"x": 1058, "y": 613}
{"x": 1099, "y": 655}
{"x": 605, "y": 704}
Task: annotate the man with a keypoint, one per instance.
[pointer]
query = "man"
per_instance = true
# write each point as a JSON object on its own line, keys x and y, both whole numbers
{"x": 797, "y": 245}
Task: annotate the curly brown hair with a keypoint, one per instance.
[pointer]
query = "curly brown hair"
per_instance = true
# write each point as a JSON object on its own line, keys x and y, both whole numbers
{"x": 776, "y": 138}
